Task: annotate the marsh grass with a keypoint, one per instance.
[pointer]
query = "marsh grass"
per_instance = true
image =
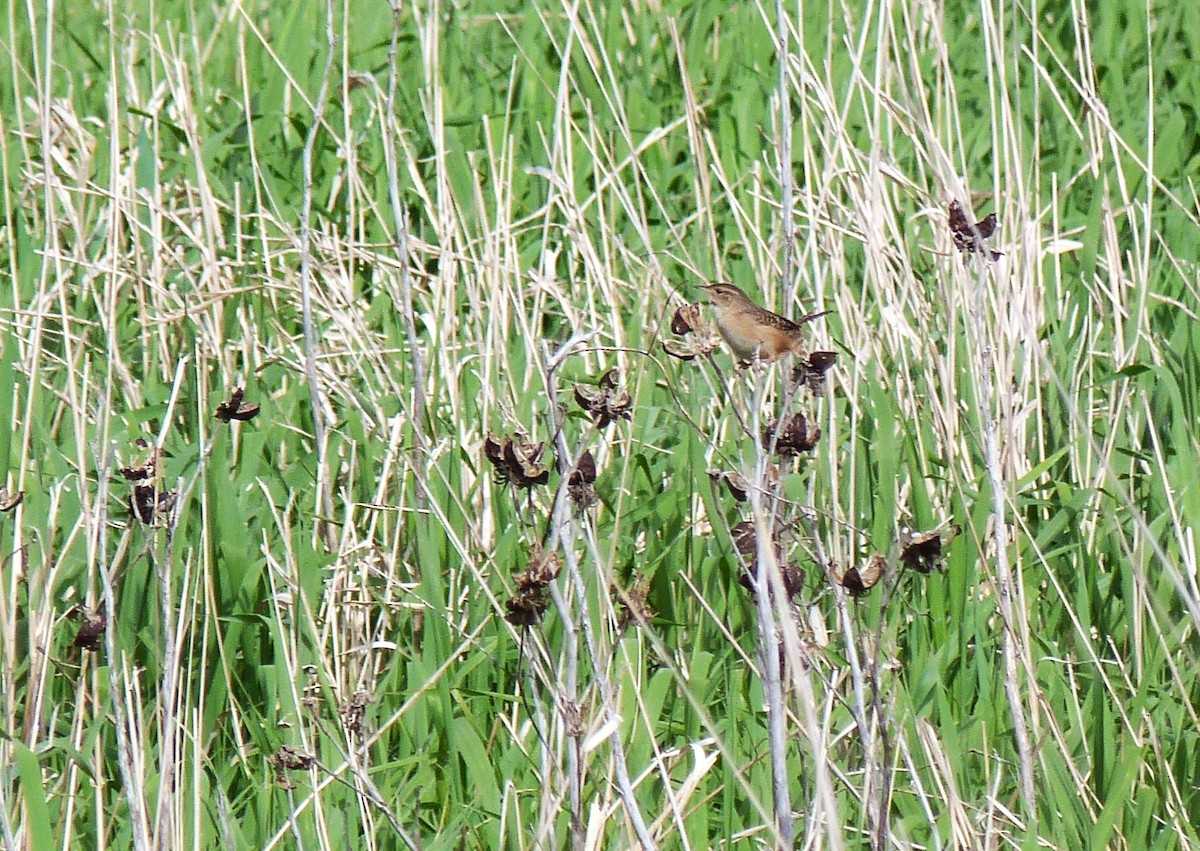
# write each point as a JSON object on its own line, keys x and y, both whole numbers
{"x": 401, "y": 233}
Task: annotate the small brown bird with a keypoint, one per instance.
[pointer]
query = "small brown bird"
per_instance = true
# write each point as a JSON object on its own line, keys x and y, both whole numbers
{"x": 753, "y": 331}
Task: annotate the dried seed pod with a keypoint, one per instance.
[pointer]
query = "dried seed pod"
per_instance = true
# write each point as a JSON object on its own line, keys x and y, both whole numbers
{"x": 820, "y": 361}
{"x": 138, "y": 473}
{"x": 858, "y": 582}
{"x": 515, "y": 461}
{"x": 792, "y": 575}
{"x": 9, "y": 501}
{"x": 580, "y": 480}
{"x": 524, "y": 465}
{"x": 685, "y": 319}
{"x": 146, "y": 469}
{"x": 794, "y": 437}
{"x": 288, "y": 759}
{"x": 493, "y": 450}
{"x": 149, "y": 503}
{"x": 585, "y": 470}
{"x": 353, "y": 710}
{"x": 733, "y": 481}
{"x": 812, "y": 370}
{"x": 235, "y": 409}
{"x": 92, "y": 624}
{"x": 679, "y": 350}
{"x": 969, "y": 238}
{"x": 632, "y": 606}
{"x": 542, "y": 570}
{"x": 527, "y": 606}
{"x": 922, "y": 551}
{"x": 688, "y": 320}
{"x": 745, "y": 540}
{"x": 606, "y": 404}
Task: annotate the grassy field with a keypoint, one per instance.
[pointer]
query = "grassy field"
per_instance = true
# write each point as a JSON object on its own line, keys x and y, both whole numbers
{"x": 340, "y": 625}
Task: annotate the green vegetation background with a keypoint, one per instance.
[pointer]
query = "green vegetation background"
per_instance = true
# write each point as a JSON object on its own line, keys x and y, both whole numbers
{"x": 385, "y": 226}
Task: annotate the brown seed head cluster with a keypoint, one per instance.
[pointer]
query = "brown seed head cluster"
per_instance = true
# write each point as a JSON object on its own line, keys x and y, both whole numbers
{"x": 812, "y": 369}
{"x": 9, "y": 501}
{"x": 147, "y": 503}
{"x": 606, "y": 403}
{"x": 745, "y": 541}
{"x": 92, "y": 623}
{"x": 581, "y": 479}
{"x": 288, "y": 759}
{"x": 632, "y": 605}
{"x": 701, "y": 339}
{"x": 354, "y": 710}
{"x": 519, "y": 462}
{"x": 794, "y": 436}
{"x": 969, "y": 238}
{"x": 236, "y": 409}
{"x": 922, "y": 551}
{"x": 734, "y": 482}
{"x": 858, "y": 581}
{"x": 516, "y": 461}
{"x": 525, "y": 608}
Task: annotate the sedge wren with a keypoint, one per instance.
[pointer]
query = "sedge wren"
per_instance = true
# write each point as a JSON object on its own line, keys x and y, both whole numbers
{"x": 753, "y": 331}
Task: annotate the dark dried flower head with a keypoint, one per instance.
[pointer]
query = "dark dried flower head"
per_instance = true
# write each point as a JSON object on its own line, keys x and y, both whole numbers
{"x": 969, "y": 238}
{"x": 234, "y": 409}
{"x": 679, "y": 350}
{"x": 745, "y": 539}
{"x": 526, "y": 606}
{"x": 792, "y": 576}
{"x": 524, "y": 465}
{"x": 812, "y": 369}
{"x": 166, "y": 501}
{"x": 353, "y": 710}
{"x": 144, "y": 502}
{"x": 9, "y": 501}
{"x": 922, "y": 551}
{"x": 92, "y": 623}
{"x": 703, "y": 340}
{"x": 289, "y": 759}
{"x": 605, "y": 403}
{"x": 493, "y": 449}
{"x": 686, "y": 318}
{"x": 542, "y": 569}
{"x": 515, "y": 461}
{"x": 139, "y": 473}
{"x": 148, "y": 502}
{"x": 793, "y": 580}
{"x": 820, "y": 361}
{"x": 585, "y": 470}
{"x": 580, "y": 479}
{"x": 147, "y": 468}
{"x": 794, "y": 437}
{"x": 632, "y": 606}
{"x": 584, "y": 496}
{"x": 734, "y": 482}
{"x": 858, "y": 582}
